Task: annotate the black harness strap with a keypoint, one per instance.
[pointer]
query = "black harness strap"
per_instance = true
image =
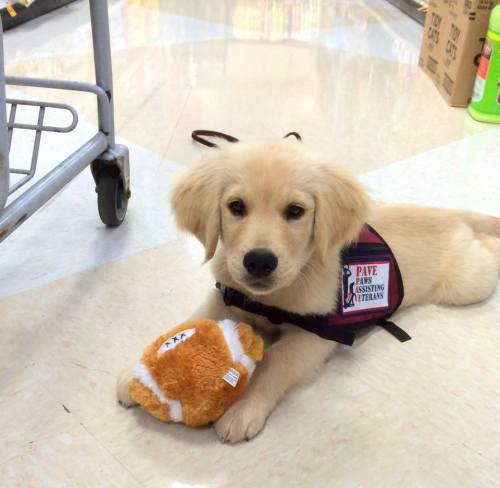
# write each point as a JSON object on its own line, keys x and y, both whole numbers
{"x": 317, "y": 324}
{"x": 394, "y": 330}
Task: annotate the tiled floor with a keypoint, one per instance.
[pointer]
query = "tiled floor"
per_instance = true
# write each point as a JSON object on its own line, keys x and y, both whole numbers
{"x": 78, "y": 302}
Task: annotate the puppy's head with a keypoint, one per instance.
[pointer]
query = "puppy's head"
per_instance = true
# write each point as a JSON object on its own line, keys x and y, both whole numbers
{"x": 273, "y": 207}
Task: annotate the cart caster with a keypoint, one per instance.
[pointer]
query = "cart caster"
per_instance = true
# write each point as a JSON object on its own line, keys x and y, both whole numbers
{"x": 112, "y": 177}
{"x": 112, "y": 200}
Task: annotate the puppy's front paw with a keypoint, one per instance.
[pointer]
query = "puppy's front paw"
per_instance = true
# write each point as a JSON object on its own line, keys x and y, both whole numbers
{"x": 242, "y": 421}
{"x": 122, "y": 393}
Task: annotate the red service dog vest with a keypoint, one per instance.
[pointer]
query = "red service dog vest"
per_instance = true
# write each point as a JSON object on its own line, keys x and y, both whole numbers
{"x": 371, "y": 290}
{"x": 371, "y": 286}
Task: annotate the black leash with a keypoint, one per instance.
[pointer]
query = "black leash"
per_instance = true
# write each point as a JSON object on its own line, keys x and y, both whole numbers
{"x": 294, "y": 134}
{"x": 200, "y": 136}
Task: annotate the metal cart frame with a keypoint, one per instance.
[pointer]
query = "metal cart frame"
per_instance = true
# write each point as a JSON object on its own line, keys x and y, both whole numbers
{"x": 109, "y": 161}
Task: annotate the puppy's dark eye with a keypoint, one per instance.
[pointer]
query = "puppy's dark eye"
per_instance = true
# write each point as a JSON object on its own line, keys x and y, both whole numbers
{"x": 237, "y": 208}
{"x": 294, "y": 212}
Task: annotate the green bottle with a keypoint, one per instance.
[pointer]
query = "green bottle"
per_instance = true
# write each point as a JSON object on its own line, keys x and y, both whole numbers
{"x": 485, "y": 102}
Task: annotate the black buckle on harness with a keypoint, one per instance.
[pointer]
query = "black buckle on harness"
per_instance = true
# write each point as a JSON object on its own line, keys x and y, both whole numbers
{"x": 229, "y": 295}
{"x": 234, "y": 298}
{"x": 274, "y": 316}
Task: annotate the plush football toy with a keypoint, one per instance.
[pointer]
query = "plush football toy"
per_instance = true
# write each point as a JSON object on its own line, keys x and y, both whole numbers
{"x": 194, "y": 372}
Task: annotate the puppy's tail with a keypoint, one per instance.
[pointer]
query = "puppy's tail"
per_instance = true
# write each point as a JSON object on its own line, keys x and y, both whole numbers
{"x": 478, "y": 222}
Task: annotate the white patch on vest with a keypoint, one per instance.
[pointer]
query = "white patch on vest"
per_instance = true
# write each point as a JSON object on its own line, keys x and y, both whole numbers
{"x": 365, "y": 286}
{"x": 142, "y": 374}
{"x": 174, "y": 341}
{"x": 230, "y": 330}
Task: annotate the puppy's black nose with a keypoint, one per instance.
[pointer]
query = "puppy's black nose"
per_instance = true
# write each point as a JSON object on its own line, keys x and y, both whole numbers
{"x": 260, "y": 262}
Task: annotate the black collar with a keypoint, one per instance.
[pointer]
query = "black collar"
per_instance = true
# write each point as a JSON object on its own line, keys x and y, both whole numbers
{"x": 317, "y": 324}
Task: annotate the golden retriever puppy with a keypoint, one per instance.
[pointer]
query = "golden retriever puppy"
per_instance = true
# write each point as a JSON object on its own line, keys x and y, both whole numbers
{"x": 273, "y": 219}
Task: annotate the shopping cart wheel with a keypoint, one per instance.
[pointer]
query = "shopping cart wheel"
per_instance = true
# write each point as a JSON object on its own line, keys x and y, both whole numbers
{"x": 112, "y": 200}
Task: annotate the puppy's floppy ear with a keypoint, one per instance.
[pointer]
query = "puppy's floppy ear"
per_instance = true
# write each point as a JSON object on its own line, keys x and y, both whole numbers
{"x": 341, "y": 208}
{"x": 195, "y": 202}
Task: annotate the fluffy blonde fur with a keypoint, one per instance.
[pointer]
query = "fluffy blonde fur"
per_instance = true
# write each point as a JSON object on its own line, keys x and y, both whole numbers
{"x": 445, "y": 256}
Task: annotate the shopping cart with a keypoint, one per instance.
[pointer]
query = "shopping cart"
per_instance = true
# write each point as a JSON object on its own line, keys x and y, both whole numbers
{"x": 108, "y": 161}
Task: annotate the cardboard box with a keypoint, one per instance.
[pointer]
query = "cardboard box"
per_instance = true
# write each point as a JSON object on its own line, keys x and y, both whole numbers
{"x": 454, "y": 33}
